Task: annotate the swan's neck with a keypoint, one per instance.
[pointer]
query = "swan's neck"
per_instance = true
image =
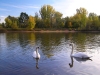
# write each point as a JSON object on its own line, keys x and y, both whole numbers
{"x": 72, "y": 50}
{"x": 36, "y": 52}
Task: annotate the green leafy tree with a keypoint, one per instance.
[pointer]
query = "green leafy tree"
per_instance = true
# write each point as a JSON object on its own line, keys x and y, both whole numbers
{"x": 82, "y": 13}
{"x": 11, "y": 22}
{"x": 3, "y": 25}
{"x": 79, "y": 20}
{"x": 31, "y": 22}
{"x": 67, "y": 20}
{"x": 93, "y": 22}
{"x": 23, "y": 20}
{"x": 59, "y": 21}
{"x": 50, "y": 17}
{"x": 14, "y": 25}
{"x": 8, "y": 22}
{"x": 75, "y": 21}
{"x": 46, "y": 13}
{"x": 39, "y": 21}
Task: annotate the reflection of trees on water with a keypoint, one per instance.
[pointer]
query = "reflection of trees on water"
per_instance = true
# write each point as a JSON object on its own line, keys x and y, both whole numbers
{"x": 26, "y": 39}
{"x": 11, "y": 37}
{"x": 3, "y": 42}
{"x": 22, "y": 39}
{"x": 78, "y": 39}
{"x": 82, "y": 40}
{"x": 49, "y": 41}
{"x": 12, "y": 40}
{"x": 93, "y": 40}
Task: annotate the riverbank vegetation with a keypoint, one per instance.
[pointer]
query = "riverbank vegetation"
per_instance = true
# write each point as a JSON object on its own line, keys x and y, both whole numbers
{"x": 49, "y": 18}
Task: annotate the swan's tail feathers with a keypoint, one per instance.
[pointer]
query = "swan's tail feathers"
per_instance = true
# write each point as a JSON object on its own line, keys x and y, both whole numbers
{"x": 90, "y": 58}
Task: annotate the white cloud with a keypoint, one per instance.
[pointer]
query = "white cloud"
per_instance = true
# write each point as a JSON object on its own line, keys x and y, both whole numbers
{"x": 2, "y": 19}
{"x": 68, "y": 7}
{"x": 2, "y": 9}
{"x": 21, "y": 6}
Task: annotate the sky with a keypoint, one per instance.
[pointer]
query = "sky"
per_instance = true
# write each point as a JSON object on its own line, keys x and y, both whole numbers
{"x": 66, "y": 7}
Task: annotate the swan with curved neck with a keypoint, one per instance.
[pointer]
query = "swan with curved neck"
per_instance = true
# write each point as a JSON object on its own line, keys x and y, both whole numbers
{"x": 36, "y": 53}
{"x": 79, "y": 54}
{"x": 77, "y": 59}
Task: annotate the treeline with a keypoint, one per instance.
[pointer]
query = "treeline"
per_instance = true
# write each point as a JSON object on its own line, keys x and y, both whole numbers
{"x": 48, "y": 17}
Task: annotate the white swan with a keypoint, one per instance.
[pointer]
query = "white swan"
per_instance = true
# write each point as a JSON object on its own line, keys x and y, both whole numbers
{"x": 36, "y": 54}
{"x": 79, "y": 54}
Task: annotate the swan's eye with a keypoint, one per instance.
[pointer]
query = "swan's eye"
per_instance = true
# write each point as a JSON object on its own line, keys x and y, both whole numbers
{"x": 69, "y": 44}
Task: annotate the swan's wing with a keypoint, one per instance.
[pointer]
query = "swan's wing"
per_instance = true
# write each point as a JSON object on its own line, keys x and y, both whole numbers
{"x": 38, "y": 55}
{"x": 80, "y": 55}
{"x": 34, "y": 54}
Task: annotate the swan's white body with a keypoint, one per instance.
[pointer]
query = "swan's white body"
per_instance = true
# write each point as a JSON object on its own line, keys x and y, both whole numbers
{"x": 36, "y": 54}
{"x": 79, "y": 54}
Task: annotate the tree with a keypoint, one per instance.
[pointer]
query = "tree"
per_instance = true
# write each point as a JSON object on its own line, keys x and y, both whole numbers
{"x": 92, "y": 16}
{"x": 66, "y": 21}
{"x": 23, "y": 20}
{"x": 46, "y": 13}
{"x": 82, "y": 13}
{"x": 75, "y": 21}
{"x": 14, "y": 25}
{"x": 50, "y": 17}
{"x": 8, "y": 22}
{"x": 11, "y": 22}
{"x": 39, "y": 21}
{"x": 31, "y": 22}
{"x": 93, "y": 22}
{"x": 3, "y": 25}
{"x": 79, "y": 20}
{"x": 59, "y": 21}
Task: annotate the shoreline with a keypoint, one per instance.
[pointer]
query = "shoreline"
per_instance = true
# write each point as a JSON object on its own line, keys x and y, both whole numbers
{"x": 47, "y": 31}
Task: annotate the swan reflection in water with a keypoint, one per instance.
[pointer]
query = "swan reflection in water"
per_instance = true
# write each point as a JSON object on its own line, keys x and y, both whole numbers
{"x": 36, "y": 55}
{"x": 37, "y": 63}
{"x": 77, "y": 59}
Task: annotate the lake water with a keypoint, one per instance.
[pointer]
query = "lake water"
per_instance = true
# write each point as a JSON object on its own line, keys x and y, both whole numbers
{"x": 16, "y": 51}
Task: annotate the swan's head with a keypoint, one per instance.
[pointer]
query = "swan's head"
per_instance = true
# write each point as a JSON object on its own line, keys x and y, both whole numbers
{"x": 70, "y": 44}
{"x": 37, "y": 47}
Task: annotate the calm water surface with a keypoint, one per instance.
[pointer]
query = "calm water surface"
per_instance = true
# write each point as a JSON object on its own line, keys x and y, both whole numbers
{"x": 16, "y": 51}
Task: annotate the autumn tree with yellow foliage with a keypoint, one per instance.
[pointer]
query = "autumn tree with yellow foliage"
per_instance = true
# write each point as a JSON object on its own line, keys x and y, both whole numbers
{"x": 31, "y": 22}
